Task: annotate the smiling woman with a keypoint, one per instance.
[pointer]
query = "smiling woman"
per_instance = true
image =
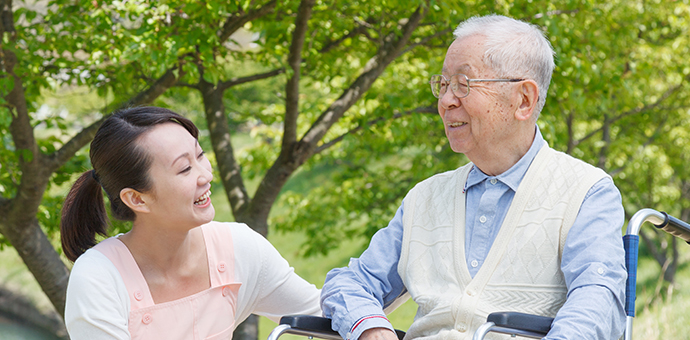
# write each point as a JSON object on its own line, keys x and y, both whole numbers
{"x": 177, "y": 274}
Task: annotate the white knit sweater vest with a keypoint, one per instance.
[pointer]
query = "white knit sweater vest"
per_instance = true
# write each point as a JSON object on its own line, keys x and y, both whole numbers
{"x": 522, "y": 270}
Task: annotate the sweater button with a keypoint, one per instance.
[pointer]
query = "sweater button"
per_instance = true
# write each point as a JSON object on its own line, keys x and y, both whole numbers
{"x": 462, "y": 328}
{"x": 146, "y": 319}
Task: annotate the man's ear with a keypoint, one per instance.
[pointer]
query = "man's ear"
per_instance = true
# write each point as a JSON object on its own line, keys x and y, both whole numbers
{"x": 135, "y": 200}
{"x": 528, "y": 95}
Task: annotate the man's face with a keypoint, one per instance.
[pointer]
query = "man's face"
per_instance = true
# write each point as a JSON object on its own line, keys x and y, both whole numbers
{"x": 480, "y": 124}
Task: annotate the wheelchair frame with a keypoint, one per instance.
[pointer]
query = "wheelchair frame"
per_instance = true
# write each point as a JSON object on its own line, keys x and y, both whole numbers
{"x": 513, "y": 323}
{"x": 534, "y": 326}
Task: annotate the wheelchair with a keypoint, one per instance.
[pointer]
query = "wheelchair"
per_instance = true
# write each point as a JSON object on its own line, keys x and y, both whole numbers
{"x": 513, "y": 323}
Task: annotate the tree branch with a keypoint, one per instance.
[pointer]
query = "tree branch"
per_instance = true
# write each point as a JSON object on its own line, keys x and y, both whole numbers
{"x": 233, "y": 23}
{"x": 30, "y": 157}
{"x": 427, "y": 39}
{"x": 373, "y": 69}
{"x": 421, "y": 109}
{"x": 224, "y": 85}
{"x": 69, "y": 149}
{"x": 19, "y": 223}
{"x": 183, "y": 84}
{"x": 162, "y": 84}
{"x": 294, "y": 156}
{"x": 645, "y": 108}
{"x": 360, "y": 29}
{"x": 294, "y": 62}
{"x": 649, "y": 141}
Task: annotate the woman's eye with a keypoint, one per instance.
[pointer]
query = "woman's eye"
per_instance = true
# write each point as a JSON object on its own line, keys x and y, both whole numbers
{"x": 201, "y": 154}
{"x": 186, "y": 169}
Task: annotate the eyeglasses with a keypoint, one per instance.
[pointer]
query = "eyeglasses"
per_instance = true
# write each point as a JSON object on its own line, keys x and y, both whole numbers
{"x": 459, "y": 84}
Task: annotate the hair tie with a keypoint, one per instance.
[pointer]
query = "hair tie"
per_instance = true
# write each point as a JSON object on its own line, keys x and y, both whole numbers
{"x": 95, "y": 177}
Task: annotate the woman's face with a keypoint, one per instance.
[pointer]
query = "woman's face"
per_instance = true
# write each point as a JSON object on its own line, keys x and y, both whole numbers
{"x": 181, "y": 178}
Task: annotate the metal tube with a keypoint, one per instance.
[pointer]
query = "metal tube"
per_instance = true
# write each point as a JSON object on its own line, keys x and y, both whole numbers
{"x": 278, "y": 331}
{"x": 642, "y": 216}
{"x": 483, "y": 330}
{"x": 628, "y": 327}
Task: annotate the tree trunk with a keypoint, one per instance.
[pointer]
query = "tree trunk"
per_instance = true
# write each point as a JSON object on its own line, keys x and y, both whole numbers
{"x": 40, "y": 258}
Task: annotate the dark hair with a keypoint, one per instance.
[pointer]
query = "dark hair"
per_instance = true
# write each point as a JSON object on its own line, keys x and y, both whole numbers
{"x": 118, "y": 162}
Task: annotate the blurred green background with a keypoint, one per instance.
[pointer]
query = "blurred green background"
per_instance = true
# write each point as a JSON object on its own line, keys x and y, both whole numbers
{"x": 318, "y": 118}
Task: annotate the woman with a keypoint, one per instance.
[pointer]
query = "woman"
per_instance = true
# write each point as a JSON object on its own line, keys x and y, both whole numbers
{"x": 176, "y": 274}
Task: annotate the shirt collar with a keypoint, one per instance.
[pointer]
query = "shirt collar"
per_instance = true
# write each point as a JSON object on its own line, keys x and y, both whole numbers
{"x": 513, "y": 176}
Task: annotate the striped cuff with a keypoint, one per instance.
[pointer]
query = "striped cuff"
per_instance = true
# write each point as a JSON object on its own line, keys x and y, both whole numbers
{"x": 368, "y": 322}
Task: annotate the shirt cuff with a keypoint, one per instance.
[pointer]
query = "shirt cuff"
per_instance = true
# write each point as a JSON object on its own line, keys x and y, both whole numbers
{"x": 368, "y": 322}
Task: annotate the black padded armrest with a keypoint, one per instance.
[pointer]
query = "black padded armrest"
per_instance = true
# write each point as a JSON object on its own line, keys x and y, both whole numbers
{"x": 526, "y": 322}
{"x": 316, "y": 326}
{"x": 308, "y": 323}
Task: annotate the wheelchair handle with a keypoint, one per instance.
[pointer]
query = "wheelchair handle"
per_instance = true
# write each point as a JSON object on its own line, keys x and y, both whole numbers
{"x": 675, "y": 227}
{"x": 661, "y": 220}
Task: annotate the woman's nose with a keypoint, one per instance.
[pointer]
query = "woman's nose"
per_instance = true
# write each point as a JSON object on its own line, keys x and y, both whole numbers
{"x": 206, "y": 175}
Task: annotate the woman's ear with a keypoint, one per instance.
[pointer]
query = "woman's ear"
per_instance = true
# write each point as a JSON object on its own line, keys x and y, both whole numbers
{"x": 528, "y": 95}
{"x": 135, "y": 200}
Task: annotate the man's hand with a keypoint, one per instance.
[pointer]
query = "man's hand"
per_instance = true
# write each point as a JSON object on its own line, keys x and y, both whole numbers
{"x": 378, "y": 334}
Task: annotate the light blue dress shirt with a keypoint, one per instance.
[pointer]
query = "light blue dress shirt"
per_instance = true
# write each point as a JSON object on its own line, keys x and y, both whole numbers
{"x": 593, "y": 261}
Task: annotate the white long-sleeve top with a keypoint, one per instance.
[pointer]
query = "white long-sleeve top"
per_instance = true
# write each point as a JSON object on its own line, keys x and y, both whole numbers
{"x": 98, "y": 304}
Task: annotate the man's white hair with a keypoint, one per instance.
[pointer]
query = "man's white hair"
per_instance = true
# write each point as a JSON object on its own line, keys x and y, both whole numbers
{"x": 513, "y": 49}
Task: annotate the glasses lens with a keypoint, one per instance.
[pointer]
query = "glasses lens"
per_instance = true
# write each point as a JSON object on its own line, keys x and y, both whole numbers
{"x": 460, "y": 85}
{"x": 438, "y": 85}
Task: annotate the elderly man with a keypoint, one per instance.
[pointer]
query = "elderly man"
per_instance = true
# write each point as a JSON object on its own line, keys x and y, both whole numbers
{"x": 520, "y": 228}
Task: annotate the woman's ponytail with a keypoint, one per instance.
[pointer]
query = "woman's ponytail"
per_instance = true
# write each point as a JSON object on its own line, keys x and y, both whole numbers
{"x": 83, "y": 216}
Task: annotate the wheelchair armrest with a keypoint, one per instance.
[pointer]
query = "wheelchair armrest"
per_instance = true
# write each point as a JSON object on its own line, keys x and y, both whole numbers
{"x": 310, "y": 326}
{"x": 513, "y": 323}
{"x": 305, "y": 325}
{"x": 521, "y": 321}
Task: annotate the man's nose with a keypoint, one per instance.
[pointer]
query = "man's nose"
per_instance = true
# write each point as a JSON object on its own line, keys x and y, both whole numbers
{"x": 448, "y": 100}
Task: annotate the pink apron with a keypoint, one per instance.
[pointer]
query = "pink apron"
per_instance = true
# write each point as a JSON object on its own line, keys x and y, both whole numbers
{"x": 209, "y": 314}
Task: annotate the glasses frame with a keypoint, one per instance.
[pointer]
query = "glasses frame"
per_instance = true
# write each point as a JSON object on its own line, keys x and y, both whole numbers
{"x": 467, "y": 83}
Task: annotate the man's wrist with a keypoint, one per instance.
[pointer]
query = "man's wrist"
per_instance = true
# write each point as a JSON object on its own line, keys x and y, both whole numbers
{"x": 378, "y": 334}
{"x": 366, "y": 323}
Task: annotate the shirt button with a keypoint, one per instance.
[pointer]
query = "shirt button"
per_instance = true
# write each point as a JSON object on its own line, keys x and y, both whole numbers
{"x": 221, "y": 266}
{"x": 226, "y": 291}
{"x": 493, "y": 181}
{"x": 482, "y": 219}
{"x": 138, "y": 295}
{"x": 474, "y": 263}
{"x": 146, "y": 319}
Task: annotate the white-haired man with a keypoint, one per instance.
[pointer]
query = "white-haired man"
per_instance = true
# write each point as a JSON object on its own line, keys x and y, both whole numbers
{"x": 520, "y": 228}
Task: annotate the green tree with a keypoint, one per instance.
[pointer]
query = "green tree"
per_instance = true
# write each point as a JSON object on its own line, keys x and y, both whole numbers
{"x": 618, "y": 100}
{"x": 343, "y": 88}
